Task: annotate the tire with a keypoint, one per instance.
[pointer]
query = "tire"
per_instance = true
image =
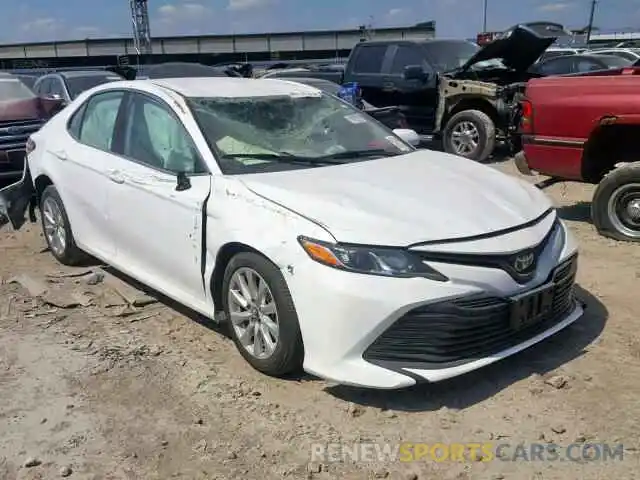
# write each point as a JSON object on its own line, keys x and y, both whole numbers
{"x": 618, "y": 190}
{"x": 288, "y": 355}
{"x": 70, "y": 254}
{"x": 486, "y": 134}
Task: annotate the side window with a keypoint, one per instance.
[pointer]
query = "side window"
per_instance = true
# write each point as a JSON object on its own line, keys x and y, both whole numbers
{"x": 406, "y": 55}
{"x": 56, "y": 87}
{"x": 557, "y": 66}
{"x": 99, "y": 120}
{"x": 585, "y": 65}
{"x": 75, "y": 123}
{"x": 44, "y": 87}
{"x": 156, "y": 137}
{"x": 370, "y": 59}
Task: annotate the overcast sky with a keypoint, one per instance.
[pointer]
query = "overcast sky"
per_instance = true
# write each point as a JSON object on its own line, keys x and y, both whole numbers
{"x": 43, "y": 20}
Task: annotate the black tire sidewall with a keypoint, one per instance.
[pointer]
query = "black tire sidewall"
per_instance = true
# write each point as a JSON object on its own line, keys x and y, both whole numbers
{"x": 486, "y": 139}
{"x": 71, "y": 254}
{"x": 605, "y": 189}
{"x": 289, "y": 352}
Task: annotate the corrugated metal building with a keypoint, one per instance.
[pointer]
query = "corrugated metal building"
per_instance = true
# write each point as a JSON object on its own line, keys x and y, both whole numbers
{"x": 221, "y": 48}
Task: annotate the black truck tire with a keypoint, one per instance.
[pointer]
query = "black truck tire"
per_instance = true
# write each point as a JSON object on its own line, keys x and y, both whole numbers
{"x": 484, "y": 127}
{"x": 615, "y": 208}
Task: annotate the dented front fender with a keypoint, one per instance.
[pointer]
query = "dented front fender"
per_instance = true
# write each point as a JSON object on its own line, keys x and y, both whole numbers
{"x": 16, "y": 199}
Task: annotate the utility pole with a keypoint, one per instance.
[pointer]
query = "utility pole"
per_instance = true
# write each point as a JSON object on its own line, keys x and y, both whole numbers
{"x": 484, "y": 17}
{"x": 141, "y": 30}
{"x": 590, "y": 25}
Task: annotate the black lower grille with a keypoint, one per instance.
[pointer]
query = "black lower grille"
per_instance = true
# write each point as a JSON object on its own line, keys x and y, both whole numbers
{"x": 12, "y": 161}
{"x": 459, "y": 331}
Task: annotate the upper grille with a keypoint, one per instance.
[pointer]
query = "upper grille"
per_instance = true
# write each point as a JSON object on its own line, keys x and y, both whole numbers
{"x": 455, "y": 332}
{"x": 14, "y": 134}
{"x": 505, "y": 262}
{"x": 13, "y": 140}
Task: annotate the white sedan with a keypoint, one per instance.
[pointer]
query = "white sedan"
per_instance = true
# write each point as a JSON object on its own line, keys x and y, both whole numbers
{"x": 328, "y": 242}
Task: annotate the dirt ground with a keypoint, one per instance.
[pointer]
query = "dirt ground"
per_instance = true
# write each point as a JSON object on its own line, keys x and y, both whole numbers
{"x": 99, "y": 381}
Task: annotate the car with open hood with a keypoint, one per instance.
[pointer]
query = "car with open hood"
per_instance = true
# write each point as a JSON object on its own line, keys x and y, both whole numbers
{"x": 461, "y": 94}
{"x": 322, "y": 239}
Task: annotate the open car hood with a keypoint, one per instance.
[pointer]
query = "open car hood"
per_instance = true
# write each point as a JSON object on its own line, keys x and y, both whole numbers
{"x": 518, "y": 49}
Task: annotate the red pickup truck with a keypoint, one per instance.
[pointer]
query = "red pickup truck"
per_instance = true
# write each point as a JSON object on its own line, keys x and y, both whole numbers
{"x": 586, "y": 128}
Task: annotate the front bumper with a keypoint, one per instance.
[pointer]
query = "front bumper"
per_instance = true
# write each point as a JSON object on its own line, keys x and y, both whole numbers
{"x": 389, "y": 333}
{"x": 520, "y": 159}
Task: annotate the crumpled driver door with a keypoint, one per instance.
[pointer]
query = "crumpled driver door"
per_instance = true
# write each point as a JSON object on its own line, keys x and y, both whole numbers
{"x": 16, "y": 199}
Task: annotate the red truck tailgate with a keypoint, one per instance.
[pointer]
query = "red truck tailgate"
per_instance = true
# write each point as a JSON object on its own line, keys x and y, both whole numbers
{"x": 566, "y": 110}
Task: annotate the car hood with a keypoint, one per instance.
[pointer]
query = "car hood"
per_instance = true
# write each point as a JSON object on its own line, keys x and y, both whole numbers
{"x": 28, "y": 109}
{"x": 518, "y": 50}
{"x": 398, "y": 201}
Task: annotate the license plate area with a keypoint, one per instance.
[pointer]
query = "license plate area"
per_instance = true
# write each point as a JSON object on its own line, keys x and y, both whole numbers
{"x": 531, "y": 307}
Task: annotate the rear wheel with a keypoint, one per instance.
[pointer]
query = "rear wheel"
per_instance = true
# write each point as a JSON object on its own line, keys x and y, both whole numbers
{"x": 57, "y": 229}
{"x": 615, "y": 208}
{"x": 470, "y": 134}
{"x": 262, "y": 318}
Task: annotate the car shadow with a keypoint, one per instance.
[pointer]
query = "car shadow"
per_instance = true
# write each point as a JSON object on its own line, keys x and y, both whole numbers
{"x": 197, "y": 317}
{"x": 474, "y": 387}
{"x": 578, "y": 212}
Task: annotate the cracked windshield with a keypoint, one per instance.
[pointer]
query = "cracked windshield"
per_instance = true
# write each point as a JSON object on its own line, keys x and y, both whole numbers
{"x": 317, "y": 128}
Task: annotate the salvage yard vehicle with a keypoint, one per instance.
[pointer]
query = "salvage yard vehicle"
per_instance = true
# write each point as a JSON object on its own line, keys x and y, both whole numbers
{"x": 21, "y": 114}
{"x": 585, "y": 128}
{"x": 461, "y": 94}
{"x": 579, "y": 64}
{"x": 327, "y": 241}
{"x": 67, "y": 85}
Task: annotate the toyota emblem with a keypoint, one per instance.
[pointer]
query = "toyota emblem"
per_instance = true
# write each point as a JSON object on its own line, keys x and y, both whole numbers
{"x": 523, "y": 262}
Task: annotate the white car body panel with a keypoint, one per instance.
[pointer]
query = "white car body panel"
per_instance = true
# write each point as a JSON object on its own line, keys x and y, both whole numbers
{"x": 400, "y": 200}
{"x": 154, "y": 234}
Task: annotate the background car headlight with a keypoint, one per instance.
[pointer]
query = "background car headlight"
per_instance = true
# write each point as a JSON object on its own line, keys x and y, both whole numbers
{"x": 392, "y": 262}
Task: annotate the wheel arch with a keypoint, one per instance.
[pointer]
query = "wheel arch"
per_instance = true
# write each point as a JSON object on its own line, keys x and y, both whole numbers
{"x": 41, "y": 182}
{"x": 607, "y": 146}
{"x": 472, "y": 102}
{"x": 225, "y": 253}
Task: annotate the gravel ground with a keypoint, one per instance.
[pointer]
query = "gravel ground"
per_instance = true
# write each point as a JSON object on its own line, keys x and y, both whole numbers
{"x": 99, "y": 381}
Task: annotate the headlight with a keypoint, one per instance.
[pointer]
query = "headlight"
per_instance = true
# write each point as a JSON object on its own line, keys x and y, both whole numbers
{"x": 391, "y": 262}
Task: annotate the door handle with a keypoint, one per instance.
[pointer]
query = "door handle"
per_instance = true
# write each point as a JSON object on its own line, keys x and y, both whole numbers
{"x": 61, "y": 154}
{"x": 116, "y": 177}
{"x": 388, "y": 86}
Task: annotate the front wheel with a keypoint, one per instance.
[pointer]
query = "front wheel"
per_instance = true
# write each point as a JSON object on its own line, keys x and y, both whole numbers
{"x": 470, "y": 134}
{"x": 262, "y": 318}
{"x": 615, "y": 209}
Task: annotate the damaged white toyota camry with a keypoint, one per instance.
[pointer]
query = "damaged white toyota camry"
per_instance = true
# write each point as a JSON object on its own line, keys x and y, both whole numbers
{"x": 326, "y": 241}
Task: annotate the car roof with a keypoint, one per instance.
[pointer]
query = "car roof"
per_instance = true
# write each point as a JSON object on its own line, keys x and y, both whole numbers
{"x": 88, "y": 73}
{"x": 230, "y": 87}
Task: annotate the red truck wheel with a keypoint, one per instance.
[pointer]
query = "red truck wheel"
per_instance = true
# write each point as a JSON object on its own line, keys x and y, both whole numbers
{"x": 615, "y": 208}
{"x": 470, "y": 134}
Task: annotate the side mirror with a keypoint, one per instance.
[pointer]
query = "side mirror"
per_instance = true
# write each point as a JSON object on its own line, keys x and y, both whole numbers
{"x": 55, "y": 96}
{"x": 182, "y": 182}
{"x": 415, "y": 72}
{"x": 408, "y": 135}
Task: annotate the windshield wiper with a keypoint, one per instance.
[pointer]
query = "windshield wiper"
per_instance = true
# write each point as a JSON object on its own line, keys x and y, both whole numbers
{"x": 287, "y": 158}
{"x": 359, "y": 154}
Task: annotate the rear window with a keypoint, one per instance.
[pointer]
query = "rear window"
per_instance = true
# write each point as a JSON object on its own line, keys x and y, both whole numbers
{"x": 77, "y": 85}
{"x": 12, "y": 88}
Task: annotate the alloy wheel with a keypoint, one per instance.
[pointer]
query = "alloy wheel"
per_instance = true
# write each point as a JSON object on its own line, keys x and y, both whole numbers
{"x": 253, "y": 313}
{"x": 54, "y": 226}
